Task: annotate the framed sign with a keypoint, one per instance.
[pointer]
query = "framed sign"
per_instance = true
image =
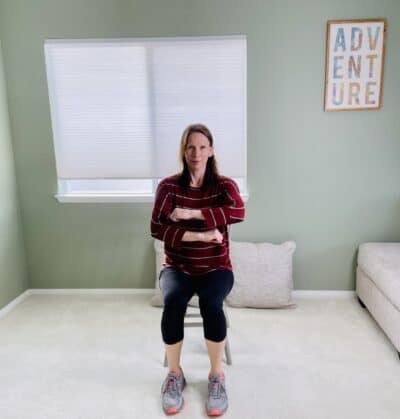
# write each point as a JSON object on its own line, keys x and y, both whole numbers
{"x": 355, "y": 52}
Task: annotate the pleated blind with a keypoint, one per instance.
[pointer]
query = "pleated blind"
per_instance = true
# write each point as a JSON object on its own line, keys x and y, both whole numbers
{"x": 119, "y": 106}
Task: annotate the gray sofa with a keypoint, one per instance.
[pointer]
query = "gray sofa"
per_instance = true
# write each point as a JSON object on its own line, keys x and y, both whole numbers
{"x": 378, "y": 285}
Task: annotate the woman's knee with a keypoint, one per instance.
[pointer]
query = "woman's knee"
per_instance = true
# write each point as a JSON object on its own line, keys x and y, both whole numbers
{"x": 174, "y": 301}
{"x": 211, "y": 308}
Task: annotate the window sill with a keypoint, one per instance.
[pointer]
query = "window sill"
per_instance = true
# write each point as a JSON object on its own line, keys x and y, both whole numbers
{"x": 104, "y": 198}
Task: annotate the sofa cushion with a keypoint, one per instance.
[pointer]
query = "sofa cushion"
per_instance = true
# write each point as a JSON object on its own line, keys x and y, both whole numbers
{"x": 263, "y": 275}
{"x": 381, "y": 262}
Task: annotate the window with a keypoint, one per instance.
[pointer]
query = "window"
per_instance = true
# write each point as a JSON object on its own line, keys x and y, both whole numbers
{"x": 119, "y": 106}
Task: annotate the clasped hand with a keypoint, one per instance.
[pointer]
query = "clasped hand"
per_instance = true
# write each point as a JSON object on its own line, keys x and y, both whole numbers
{"x": 210, "y": 236}
{"x": 179, "y": 214}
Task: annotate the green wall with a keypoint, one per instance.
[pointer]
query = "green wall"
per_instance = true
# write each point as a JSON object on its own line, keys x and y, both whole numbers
{"x": 13, "y": 279}
{"x": 329, "y": 181}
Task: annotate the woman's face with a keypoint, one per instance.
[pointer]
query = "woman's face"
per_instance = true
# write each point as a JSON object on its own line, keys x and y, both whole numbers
{"x": 197, "y": 151}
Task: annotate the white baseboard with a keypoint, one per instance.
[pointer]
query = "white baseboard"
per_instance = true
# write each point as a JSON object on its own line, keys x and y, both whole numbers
{"x": 12, "y": 304}
{"x": 92, "y": 291}
{"x": 148, "y": 291}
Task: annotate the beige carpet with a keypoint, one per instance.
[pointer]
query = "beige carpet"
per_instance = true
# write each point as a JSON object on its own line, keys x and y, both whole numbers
{"x": 100, "y": 357}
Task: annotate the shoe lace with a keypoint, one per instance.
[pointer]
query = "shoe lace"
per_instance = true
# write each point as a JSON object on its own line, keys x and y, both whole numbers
{"x": 215, "y": 388}
{"x": 171, "y": 385}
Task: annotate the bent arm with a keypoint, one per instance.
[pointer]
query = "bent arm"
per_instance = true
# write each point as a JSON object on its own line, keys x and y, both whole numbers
{"x": 230, "y": 212}
{"x": 161, "y": 226}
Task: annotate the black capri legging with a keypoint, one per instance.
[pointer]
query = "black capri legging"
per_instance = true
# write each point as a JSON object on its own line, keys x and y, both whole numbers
{"x": 178, "y": 288}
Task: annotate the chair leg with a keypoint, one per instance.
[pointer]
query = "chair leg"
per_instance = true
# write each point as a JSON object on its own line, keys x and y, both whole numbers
{"x": 228, "y": 352}
{"x": 227, "y": 345}
{"x": 226, "y": 317}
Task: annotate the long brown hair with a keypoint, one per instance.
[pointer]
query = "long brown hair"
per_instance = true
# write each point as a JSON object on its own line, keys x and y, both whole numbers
{"x": 211, "y": 175}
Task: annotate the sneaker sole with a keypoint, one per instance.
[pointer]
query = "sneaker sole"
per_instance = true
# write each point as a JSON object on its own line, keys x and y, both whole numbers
{"x": 173, "y": 410}
{"x": 216, "y": 412}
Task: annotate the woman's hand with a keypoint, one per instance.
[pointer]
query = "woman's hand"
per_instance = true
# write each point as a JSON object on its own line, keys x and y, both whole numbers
{"x": 179, "y": 214}
{"x": 212, "y": 236}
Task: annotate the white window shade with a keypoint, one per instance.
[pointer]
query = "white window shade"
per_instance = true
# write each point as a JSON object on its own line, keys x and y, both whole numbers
{"x": 119, "y": 107}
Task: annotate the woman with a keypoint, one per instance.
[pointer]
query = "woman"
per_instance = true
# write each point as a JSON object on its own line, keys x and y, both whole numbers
{"x": 191, "y": 215}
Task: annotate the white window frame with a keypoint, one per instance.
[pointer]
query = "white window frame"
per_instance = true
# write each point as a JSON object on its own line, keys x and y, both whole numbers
{"x": 71, "y": 191}
{"x": 67, "y": 194}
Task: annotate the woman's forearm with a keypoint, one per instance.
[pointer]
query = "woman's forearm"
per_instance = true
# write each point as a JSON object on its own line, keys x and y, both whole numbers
{"x": 198, "y": 215}
{"x": 193, "y": 236}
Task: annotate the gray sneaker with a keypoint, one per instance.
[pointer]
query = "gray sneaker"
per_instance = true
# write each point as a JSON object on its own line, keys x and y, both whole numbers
{"x": 171, "y": 392}
{"x": 217, "y": 401}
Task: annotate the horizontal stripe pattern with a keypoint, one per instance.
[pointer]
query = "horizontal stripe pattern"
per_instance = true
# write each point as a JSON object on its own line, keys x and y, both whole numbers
{"x": 221, "y": 206}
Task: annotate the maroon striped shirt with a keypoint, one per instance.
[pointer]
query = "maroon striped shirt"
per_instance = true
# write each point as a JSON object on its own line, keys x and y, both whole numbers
{"x": 221, "y": 206}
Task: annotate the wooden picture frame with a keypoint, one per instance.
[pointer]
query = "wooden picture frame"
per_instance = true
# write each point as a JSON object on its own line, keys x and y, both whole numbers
{"x": 354, "y": 64}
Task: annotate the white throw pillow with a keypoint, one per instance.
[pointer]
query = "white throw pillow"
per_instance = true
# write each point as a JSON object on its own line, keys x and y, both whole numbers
{"x": 263, "y": 275}
{"x": 157, "y": 299}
